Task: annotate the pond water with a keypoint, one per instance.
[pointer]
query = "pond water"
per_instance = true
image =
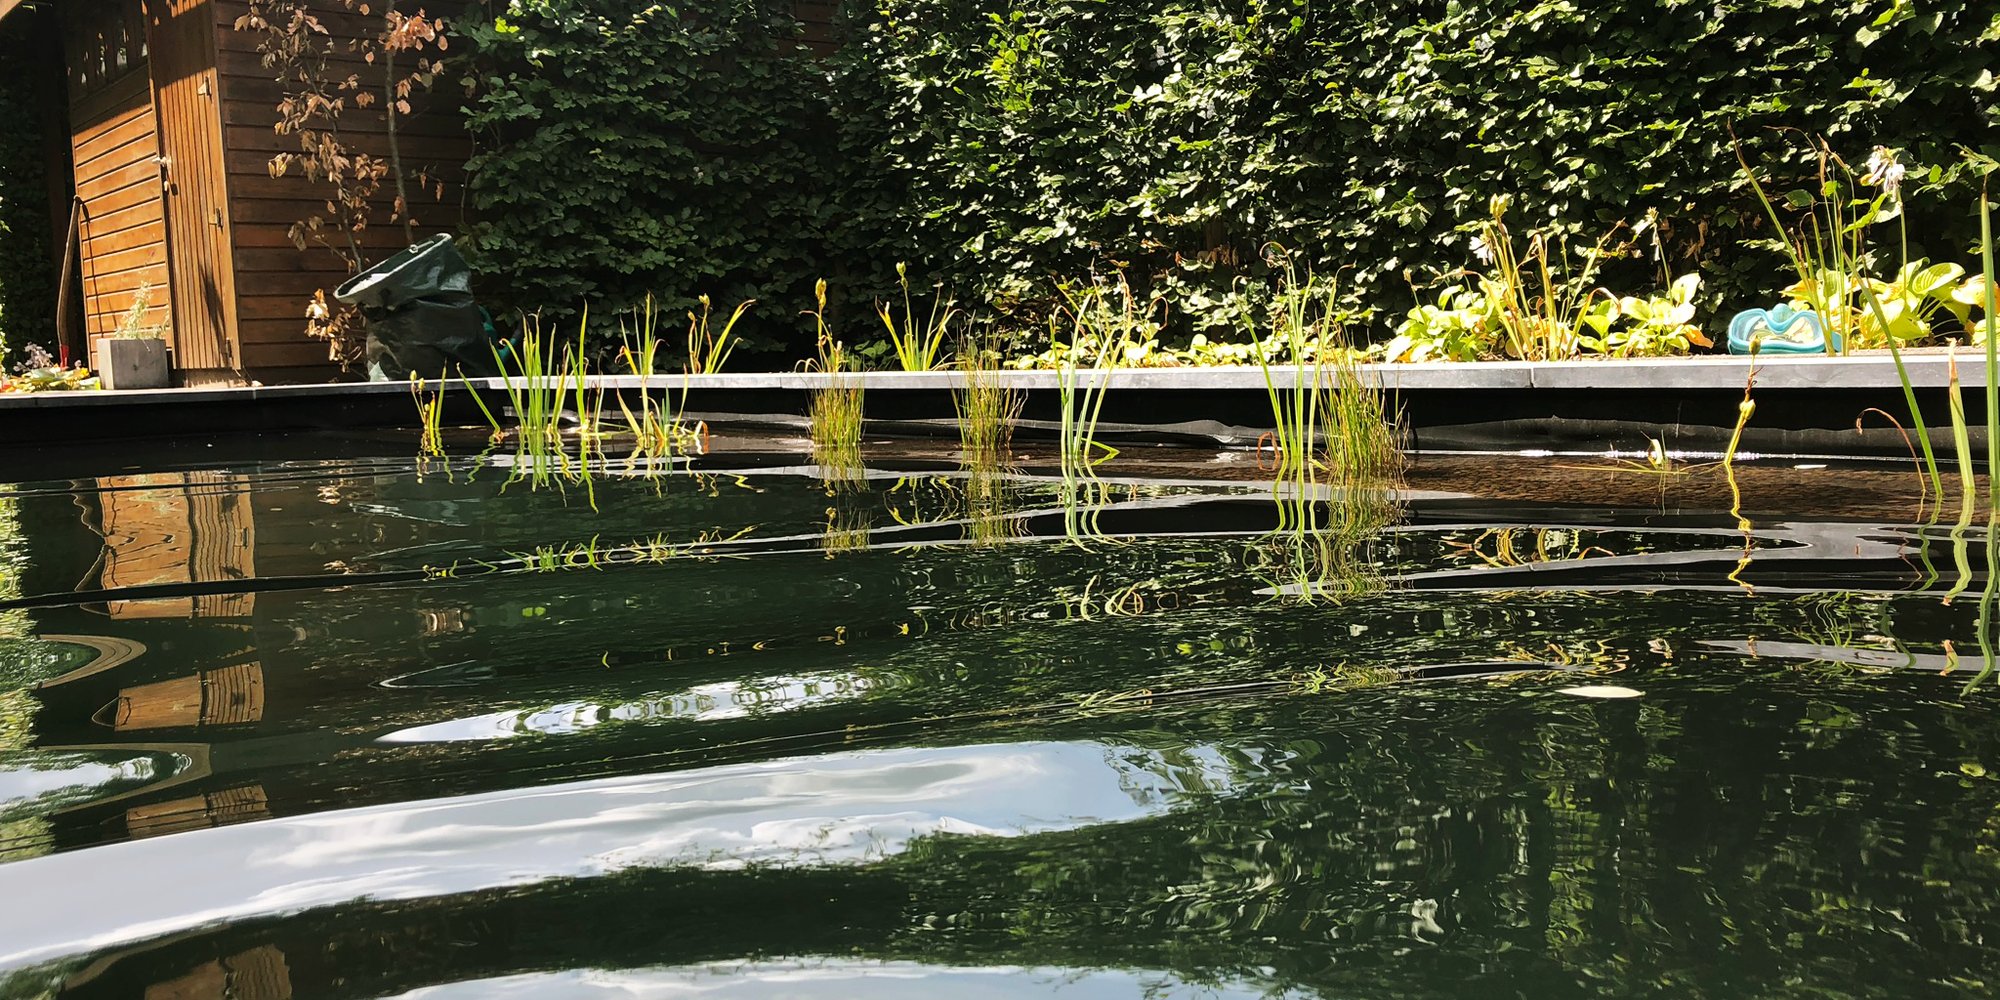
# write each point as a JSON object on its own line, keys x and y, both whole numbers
{"x": 360, "y": 726}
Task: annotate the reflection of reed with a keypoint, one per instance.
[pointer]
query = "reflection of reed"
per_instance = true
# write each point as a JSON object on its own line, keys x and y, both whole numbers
{"x": 989, "y": 517}
{"x": 846, "y": 530}
{"x": 1318, "y": 565}
{"x": 1083, "y": 498}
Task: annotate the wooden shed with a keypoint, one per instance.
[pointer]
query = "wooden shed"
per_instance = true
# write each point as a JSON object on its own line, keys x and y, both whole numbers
{"x": 161, "y": 132}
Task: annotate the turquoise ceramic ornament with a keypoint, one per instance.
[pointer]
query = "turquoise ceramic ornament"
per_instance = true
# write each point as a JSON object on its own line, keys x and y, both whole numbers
{"x": 1778, "y": 330}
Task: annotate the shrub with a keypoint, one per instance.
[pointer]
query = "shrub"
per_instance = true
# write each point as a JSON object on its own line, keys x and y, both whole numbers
{"x": 1000, "y": 149}
{"x": 27, "y": 276}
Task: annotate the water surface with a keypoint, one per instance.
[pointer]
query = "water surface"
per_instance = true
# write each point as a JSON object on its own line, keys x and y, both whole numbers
{"x": 362, "y": 726}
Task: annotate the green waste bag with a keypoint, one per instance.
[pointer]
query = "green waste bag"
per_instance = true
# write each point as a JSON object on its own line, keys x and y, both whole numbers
{"x": 421, "y": 317}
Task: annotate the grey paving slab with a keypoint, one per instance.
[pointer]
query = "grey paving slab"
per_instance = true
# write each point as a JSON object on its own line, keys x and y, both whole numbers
{"x": 1661, "y": 374}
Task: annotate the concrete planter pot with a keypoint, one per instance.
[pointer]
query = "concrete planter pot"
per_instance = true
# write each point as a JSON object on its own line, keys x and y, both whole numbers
{"x": 131, "y": 363}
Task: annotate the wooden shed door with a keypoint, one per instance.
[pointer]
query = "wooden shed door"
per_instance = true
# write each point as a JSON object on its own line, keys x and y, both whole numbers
{"x": 115, "y": 152}
{"x": 181, "y": 35}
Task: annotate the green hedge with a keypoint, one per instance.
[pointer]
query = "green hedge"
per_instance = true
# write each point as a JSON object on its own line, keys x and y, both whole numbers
{"x": 695, "y": 147}
{"x": 629, "y": 147}
{"x": 27, "y": 277}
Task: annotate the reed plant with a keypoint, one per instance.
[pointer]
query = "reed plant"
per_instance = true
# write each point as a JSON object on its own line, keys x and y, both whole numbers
{"x": 657, "y": 429}
{"x": 1339, "y": 463}
{"x": 547, "y": 383}
{"x": 835, "y": 414}
{"x": 1105, "y": 322}
{"x": 430, "y": 416}
{"x": 917, "y": 342}
{"x": 1961, "y": 442}
{"x": 1336, "y": 436}
{"x": 709, "y": 349}
{"x": 987, "y": 406}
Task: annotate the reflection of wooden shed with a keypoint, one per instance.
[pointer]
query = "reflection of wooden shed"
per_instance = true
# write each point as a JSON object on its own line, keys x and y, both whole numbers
{"x": 167, "y": 112}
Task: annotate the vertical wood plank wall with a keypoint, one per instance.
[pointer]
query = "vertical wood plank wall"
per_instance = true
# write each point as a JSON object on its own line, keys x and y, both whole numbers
{"x": 181, "y": 34}
{"x": 816, "y": 23}
{"x": 114, "y": 149}
{"x": 274, "y": 279}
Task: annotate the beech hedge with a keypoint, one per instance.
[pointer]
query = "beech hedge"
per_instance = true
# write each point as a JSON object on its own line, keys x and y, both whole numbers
{"x": 673, "y": 148}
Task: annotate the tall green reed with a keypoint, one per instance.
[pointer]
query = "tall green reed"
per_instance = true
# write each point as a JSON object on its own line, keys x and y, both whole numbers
{"x": 1339, "y": 462}
{"x": 1105, "y": 322}
{"x": 709, "y": 349}
{"x": 658, "y": 428}
{"x": 548, "y": 382}
{"x": 430, "y": 416}
{"x": 835, "y": 414}
{"x": 917, "y": 342}
{"x": 987, "y": 406}
{"x": 1962, "y": 447}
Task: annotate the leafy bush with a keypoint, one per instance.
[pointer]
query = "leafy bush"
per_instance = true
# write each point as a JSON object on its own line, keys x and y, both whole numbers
{"x": 1001, "y": 148}
{"x": 629, "y": 147}
{"x": 27, "y": 277}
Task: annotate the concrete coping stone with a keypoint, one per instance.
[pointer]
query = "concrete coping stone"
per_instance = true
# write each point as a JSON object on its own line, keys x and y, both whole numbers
{"x": 1865, "y": 371}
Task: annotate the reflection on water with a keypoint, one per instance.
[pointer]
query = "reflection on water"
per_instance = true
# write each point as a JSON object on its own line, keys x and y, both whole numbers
{"x": 832, "y": 978}
{"x": 330, "y": 729}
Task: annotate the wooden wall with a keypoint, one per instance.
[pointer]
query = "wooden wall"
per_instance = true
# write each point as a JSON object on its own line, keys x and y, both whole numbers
{"x": 114, "y": 151}
{"x": 274, "y": 279}
{"x": 816, "y": 18}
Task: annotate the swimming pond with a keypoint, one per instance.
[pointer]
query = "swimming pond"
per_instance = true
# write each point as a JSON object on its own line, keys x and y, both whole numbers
{"x": 342, "y": 723}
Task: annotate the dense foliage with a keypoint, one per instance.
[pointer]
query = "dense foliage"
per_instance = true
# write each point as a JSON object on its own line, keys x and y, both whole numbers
{"x": 630, "y": 148}
{"x": 698, "y": 146}
{"x": 27, "y": 279}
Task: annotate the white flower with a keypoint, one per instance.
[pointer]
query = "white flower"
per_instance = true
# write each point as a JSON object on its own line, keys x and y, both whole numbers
{"x": 1481, "y": 250}
{"x": 1886, "y": 172}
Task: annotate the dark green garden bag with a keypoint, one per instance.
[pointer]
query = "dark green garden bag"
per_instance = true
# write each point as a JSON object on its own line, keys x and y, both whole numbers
{"x": 421, "y": 316}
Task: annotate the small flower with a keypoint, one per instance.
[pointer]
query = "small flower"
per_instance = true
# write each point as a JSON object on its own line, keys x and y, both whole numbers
{"x": 1885, "y": 172}
{"x": 35, "y": 356}
{"x": 1481, "y": 251}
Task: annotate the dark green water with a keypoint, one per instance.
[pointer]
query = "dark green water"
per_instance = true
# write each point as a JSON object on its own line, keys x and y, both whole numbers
{"x": 339, "y": 728}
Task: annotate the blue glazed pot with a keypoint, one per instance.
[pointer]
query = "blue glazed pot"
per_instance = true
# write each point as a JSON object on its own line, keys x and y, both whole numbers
{"x": 1779, "y": 330}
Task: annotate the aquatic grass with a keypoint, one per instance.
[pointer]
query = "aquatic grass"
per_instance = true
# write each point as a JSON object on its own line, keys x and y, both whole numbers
{"x": 835, "y": 416}
{"x": 430, "y": 416}
{"x": 1330, "y": 428}
{"x": 1744, "y": 411}
{"x": 916, "y": 343}
{"x": 1961, "y": 444}
{"x": 1339, "y": 464}
{"x": 709, "y": 349}
{"x": 546, "y": 384}
{"x": 1105, "y": 325}
{"x": 658, "y": 432}
{"x": 987, "y": 406}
